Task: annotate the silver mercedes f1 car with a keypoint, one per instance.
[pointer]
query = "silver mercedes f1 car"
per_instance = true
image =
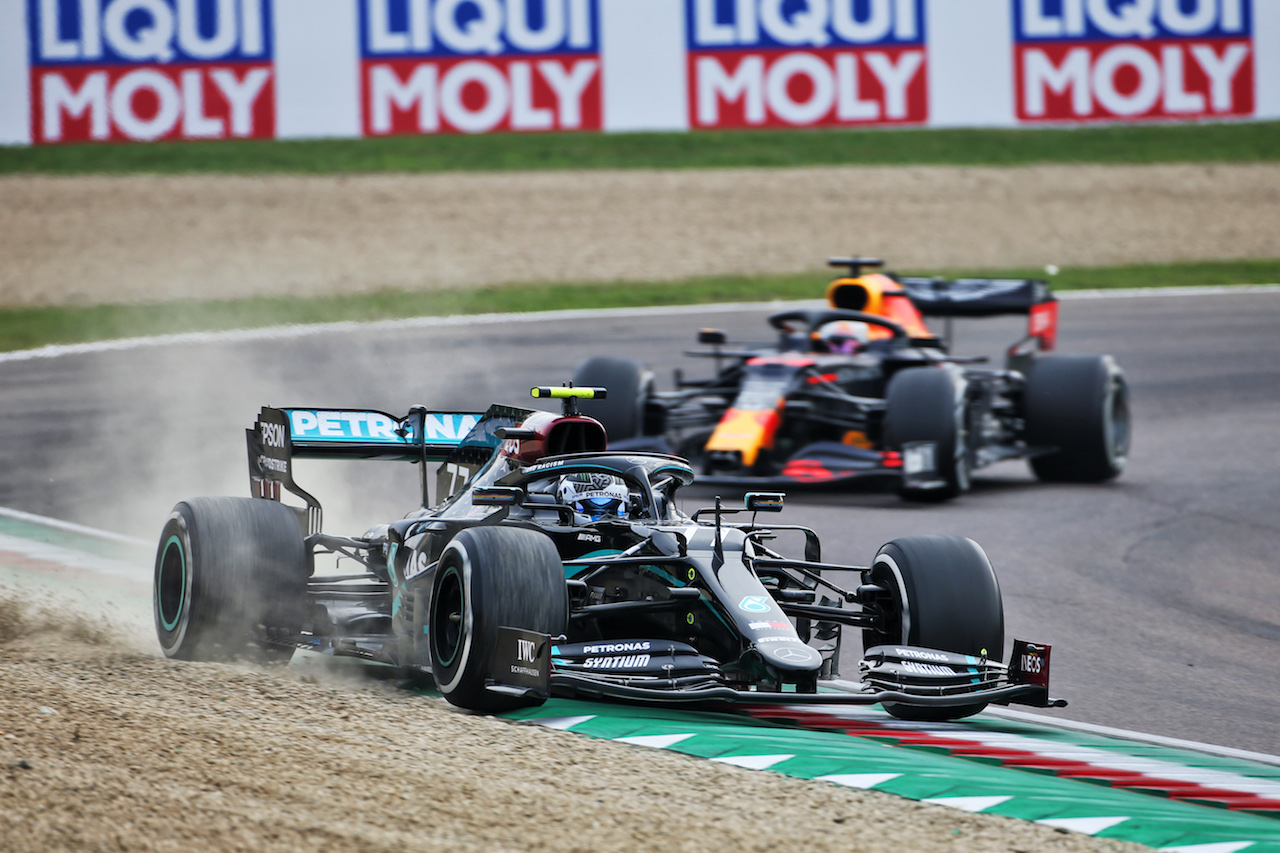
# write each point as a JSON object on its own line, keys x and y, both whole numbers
{"x": 550, "y": 565}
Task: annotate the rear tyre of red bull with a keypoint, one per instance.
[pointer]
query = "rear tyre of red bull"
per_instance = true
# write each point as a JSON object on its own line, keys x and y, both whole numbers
{"x": 629, "y": 385}
{"x": 1077, "y": 406}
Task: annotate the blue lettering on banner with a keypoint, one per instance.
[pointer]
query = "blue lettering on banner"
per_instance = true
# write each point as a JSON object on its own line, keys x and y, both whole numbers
{"x": 789, "y": 24}
{"x": 448, "y": 28}
{"x": 375, "y": 427}
{"x": 129, "y": 32}
{"x": 1126, "y": 20}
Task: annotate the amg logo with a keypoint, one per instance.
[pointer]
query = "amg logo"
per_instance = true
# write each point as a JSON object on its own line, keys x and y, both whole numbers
{"x": 927, "y": 668}
{"x": 613, "y": 648}
{"x": 919, "y": 655}
{"x": 590, "y": 537}
{"x": 272, "y": 434}
{"x": 617, "y": 662}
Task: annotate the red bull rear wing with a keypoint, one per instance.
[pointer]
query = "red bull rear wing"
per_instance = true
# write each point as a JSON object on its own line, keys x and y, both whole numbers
{"x": 989, "y": 297}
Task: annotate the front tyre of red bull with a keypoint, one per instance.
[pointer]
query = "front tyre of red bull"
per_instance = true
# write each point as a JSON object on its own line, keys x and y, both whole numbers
{"x": 925, "y": 422}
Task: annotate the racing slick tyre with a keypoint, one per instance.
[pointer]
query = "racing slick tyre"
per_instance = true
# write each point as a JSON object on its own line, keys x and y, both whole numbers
{"x": 928, "y": 405}
{"x": 941, "y": 594}
{"x": 629, "y": 385}
{"x": 230, "y": 575}
{"x": 1078, "y": 405}
{"x": 488, "y": 578}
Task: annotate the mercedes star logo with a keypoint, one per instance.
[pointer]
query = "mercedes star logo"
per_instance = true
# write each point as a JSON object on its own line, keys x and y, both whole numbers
{"x": 795, "y": 654}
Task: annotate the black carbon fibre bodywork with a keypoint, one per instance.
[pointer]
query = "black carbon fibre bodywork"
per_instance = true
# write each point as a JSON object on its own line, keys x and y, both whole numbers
{"x": 658, "y": 605}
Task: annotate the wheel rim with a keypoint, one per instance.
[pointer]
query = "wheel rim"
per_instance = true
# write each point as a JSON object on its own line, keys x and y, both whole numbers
{"x": 446, "y": 621}
{"x": 171, "y": 584}
{"x": 894, "y": 625}
{"x": 1116, "y": 424}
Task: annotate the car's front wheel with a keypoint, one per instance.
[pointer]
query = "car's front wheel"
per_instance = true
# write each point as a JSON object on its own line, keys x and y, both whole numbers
{"x": 940, "y": 593}
{"x": 925, "y": 414}
{"x": 490, "y": 578}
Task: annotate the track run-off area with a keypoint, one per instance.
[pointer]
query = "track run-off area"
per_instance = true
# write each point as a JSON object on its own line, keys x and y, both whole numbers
{"x": 1158, "y": 592}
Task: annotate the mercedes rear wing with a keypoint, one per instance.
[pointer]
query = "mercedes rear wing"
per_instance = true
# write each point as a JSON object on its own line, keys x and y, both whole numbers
{"x": 282, "y": 435}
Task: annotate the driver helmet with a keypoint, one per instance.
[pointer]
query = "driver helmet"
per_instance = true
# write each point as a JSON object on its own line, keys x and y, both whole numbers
{"x": 596, "y": 496}
{"x": 847, "y": 336}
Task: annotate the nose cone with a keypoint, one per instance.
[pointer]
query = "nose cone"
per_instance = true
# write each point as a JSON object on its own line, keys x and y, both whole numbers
{"x": 790, "y": 656}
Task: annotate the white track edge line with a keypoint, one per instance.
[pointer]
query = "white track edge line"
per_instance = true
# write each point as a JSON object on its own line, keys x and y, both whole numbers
{"x": 300, "y": 330}
{"x": 71, "y": 527}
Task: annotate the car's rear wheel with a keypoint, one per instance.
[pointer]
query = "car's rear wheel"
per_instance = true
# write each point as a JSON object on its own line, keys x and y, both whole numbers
{"x": 1077, "y": 405}
{"x": 927, "y": 405}
{"x": 629, "y": 385}
{"x": 940, "y": 593}
{"x": 489, "y": 578}
{"x": 230, "y": 577}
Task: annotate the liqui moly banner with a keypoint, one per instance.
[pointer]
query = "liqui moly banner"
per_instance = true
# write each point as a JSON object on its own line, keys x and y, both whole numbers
{"x": 475, "y": 66}
{"x": 1120, "y": 60}
{"x": 801, "y": 63}
{"x": 142, "y": 70}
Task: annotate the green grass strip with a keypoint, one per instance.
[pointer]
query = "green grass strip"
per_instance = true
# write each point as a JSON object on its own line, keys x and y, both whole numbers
{"x": 26, "y": 328}
{"x": 1193, "y": 143}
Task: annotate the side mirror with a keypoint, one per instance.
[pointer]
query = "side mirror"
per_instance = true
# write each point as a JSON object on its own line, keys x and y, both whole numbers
{"x": 711, "y": 337}
{"x": 765, "y": 501}
{"x": 497, "y": 496}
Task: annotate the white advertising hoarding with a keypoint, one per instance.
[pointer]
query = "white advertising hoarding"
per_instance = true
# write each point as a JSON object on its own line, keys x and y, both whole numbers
{"x": 142, "y": 70}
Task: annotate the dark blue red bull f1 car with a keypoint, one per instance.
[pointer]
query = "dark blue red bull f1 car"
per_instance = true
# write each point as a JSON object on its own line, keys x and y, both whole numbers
{"x": 863, "y": 389}
{"x": 551, "y": 564}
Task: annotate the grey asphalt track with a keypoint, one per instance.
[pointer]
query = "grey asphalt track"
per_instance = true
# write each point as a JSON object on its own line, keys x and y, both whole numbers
{"x": 1160, "y": 592}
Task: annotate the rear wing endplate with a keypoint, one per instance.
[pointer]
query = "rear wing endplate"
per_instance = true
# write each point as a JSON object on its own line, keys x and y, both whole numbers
{"x": 990, "y": 297}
